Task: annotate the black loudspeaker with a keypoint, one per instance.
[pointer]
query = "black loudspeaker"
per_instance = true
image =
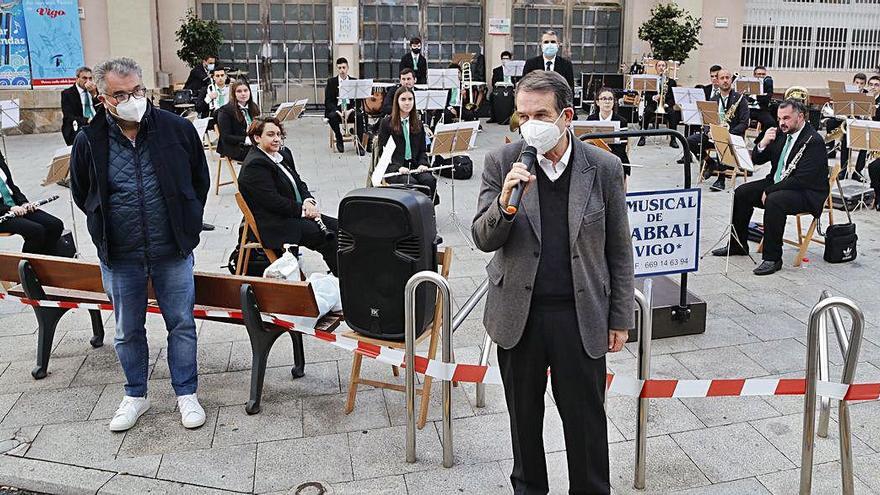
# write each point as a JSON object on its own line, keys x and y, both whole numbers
{"x": 386, "y": 235}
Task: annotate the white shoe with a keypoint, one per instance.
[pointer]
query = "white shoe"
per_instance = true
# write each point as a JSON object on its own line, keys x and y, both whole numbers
{"x": 128, "y": 412}
{"x": 191, "y": 413}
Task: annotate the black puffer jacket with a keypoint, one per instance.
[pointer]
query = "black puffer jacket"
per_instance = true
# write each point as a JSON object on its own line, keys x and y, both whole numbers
{"x": 181, "y": 173}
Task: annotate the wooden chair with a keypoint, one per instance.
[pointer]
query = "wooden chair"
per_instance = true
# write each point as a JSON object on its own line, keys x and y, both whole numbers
{"x": 347, "y": 134}
{"x": 804, "y": 239}
{"x": 230, "y": 164}
{"x": 445, "y": 257}
{"x": 244, "y": 246}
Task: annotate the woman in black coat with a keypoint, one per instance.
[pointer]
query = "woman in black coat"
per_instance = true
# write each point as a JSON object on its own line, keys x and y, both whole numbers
{"x": 410, "y": 157}
{"x": 39, "y": 229}
{"x": 606, "y": 110}
{"x": 233, "y": 120}
{"x": 283, "y": 207}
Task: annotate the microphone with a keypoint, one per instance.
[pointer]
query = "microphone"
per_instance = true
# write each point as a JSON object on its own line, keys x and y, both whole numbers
{"x": 528, "y": 158}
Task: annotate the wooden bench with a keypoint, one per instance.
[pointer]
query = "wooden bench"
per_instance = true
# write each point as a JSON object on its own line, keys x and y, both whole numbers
{"x": 62, "y": 279}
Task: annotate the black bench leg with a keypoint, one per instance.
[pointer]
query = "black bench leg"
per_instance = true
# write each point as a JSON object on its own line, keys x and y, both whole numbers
{"x": 261, "y": 344}
{"x": 299, "y": 358}
{"x": 47, "y": 319}
{"x": 97, "y": 339}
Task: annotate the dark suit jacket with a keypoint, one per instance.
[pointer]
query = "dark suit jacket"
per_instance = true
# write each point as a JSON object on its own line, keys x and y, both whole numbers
{"x": 331, "y": 96}
{"x": 651, "y": 105}
{"x": 600, "y": 240}
{"x": 406, "y": 62}
{"x": 271, "y": 198}
{"x": 232, "y": 133}
{"x": 740, "y": 121}
{"x": 811, "y": 173}
{"x": 198, "y": 79}
{"x": 619, "y": 149}
{"x": 764, "y": 100}
{"x": 417, "y": 141}
{"x": 561, "y": 65}
{"x": 17, "y": 196}
{"x": 707, "y": 90}
{"x": 72, "y": 111}
{"x": 388, "y": 101}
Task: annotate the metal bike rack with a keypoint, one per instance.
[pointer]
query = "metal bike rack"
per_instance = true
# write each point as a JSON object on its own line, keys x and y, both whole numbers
{"x": 410, "y": 336}
{"x": 643, "y": 301}
{"x": 817, "y": 360}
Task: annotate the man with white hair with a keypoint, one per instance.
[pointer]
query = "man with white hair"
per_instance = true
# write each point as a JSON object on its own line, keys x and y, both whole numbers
{"x": 139, "y": 174}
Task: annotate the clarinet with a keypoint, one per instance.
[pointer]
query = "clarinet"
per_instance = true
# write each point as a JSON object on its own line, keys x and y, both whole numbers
{"x": 38, "y": 204}
{"x": 329, "y": 235}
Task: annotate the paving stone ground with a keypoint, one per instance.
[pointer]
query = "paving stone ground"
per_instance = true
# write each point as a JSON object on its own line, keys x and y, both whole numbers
{"x": 54, "y": 434}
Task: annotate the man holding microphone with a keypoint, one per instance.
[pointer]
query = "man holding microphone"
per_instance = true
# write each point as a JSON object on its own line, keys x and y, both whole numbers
{"x": 561, "y": 281}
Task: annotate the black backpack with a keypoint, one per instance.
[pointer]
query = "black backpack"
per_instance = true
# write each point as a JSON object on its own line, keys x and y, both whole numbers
{"x": 840, "y": 239}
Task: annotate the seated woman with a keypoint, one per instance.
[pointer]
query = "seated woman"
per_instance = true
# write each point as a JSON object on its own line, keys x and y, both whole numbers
{"x": 39, "y": 229}
{"x": 233, "y": 119}
{"x": 606, "y": 111}
{"x": 410, "y": 158}
{"x": 283, "y": 208}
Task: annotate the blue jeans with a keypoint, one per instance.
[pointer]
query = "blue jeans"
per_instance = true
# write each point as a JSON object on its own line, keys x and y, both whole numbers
{"x": 174, "y": 286}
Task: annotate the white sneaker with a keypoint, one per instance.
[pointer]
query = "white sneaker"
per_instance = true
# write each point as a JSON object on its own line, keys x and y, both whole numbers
{"x": 128, "y": 412}
{"x": 191, "y": 413}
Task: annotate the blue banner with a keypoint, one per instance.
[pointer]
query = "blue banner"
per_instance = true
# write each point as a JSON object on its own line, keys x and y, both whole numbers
{"x": 15, "y": 68}
{"x": 54, "y": 41}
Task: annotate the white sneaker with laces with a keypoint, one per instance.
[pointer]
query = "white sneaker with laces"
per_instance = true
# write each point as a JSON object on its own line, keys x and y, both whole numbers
{"x": 191, "y": 413}
{"x": 128, "y": 412}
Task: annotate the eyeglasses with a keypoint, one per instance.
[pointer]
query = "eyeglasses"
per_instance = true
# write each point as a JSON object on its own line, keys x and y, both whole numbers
{"x": 123, "y": 96}
{"x": 606, "y": 99}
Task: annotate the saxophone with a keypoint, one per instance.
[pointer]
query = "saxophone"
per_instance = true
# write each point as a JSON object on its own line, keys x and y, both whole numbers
{"x": 731, "y": 112}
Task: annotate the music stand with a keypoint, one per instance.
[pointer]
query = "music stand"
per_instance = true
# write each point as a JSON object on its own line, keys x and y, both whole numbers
{"x": 513, "y": 68}
{"x": 442, "y": 78}
{"x": 750, "y": 85}
{"x": 642, "y": 83}
{"x": 581, "y": 127}
{"x": 431, "y": 99}
{"x": 730, "y": 151}
{"x": 709, "y": 112}
{"x": 862, "y": 135}
{"x": 59, "y": 171}
{"x": 290, "y": 111}
{"x": 451, "y": 140}
{"x": 852, "y": 105}
{"x": 10, "y": 118}
{"x": 356, "y": 89}
{"x": 686, "y": 99}
{"x": 462, "y": 58}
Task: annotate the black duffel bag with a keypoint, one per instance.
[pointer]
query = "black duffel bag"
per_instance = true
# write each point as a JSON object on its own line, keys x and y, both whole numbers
{"x": 462, "y": 167}
{"x": 840, "y": 239}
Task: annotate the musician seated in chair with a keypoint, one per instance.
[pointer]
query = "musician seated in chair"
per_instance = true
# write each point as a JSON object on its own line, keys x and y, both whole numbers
{"x": 337, "y": 110}
{"x": 410, "y": 158}
{"x": 606, "y": 110}
{"x": 499, "y": 77}
{"x": 283, "y": 208}
{"x": 797, "y": 183}
{"x": 874, "y": 167}
{"x": 457, "y": 100}
{"x": 39, "y": 229}
{"x": 733, "y": 112}
{"x": 653, "y": 104}
{"x": 214, "y": 96}
{"x": 233, "y": 120}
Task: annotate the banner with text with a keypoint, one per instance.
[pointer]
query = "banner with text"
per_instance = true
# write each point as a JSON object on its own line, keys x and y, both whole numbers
{"x": 54, "y": 41}
{"x": 15, "y": 67}
{"x": 665, "y": 231}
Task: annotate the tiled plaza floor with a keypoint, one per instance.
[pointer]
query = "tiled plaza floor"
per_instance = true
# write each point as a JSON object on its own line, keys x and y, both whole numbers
{"x": 55, "y": 430}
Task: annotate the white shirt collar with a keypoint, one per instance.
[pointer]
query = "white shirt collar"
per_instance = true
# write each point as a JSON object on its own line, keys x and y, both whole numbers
{"x": 81, "y": 90}
{"x": 795, "y": 135}
{"x": 554, "y": 171}
{"x": 610, "y": 116}
{"x": 276, "y": 157}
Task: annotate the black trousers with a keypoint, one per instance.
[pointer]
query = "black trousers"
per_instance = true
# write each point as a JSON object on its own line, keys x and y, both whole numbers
{"x": 40, "y": 230}
{"x": 694, "y": 141}
{"x": 672, "y": 118}
{"x": 874, "y": 174}
{"x": 335, "y": 122}
{"x": 778, "y": 206}
{"x": 552, "y": 339}
{"x": 766, "y": 119}
{"x": 313, "y": 238}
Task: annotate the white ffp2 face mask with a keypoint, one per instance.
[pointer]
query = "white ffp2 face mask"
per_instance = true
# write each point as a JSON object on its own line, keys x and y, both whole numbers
{"x": 132, "y": 109}
{"x": 540, "y": 134}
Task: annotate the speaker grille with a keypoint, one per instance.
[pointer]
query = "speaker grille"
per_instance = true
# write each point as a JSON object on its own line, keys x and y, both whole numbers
{"x": 409, "y": 247}
{"x": 344, "y": 241}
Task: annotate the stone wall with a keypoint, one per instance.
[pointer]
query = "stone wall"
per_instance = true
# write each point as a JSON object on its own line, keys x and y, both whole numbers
{"x": 40, "y": 110}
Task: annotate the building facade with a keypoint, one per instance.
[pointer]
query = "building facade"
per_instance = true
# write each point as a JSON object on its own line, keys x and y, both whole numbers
{"x": 293, "y": 43}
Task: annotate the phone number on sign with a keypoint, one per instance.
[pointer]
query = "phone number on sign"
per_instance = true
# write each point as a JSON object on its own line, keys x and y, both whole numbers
{"x": 664, "y": 263}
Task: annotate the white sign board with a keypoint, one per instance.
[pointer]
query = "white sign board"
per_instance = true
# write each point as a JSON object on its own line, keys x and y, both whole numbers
{"x": 665, "y": 229}
{"x": 345, "y": 25}
{"x": 499, "y": 25}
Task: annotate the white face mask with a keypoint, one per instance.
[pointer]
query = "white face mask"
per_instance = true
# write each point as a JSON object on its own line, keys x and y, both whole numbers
{"x": 210, "y": 67}
{"x": 540, "y": 134}
{"x": 132, "y": 109}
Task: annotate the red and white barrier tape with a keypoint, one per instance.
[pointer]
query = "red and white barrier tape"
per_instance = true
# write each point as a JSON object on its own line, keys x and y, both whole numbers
{"x": 474, "y": 373}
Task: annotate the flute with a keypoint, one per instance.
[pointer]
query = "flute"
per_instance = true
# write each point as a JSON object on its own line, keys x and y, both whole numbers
{"x": 413, "y": 171}
{"x": 38, "y": 204}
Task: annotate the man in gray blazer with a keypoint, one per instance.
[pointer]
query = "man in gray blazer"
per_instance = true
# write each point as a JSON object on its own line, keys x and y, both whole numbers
{"x": 561, "y": 283}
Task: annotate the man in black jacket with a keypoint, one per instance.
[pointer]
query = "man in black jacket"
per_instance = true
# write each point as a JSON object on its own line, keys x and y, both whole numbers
{"x": 737, "y": 121}
{"x": 652, "y": 103}
{"x": 78, "y": 104}
{"x": 498, "y": 77}
{"x": 797, "y": 183}
{"x": 336, "y": 110}
{"x": 199, "y": 77}
{"x": 763, "y": 113}
{"x": 139, "y": 174}
{"x": 550, "y": 60}
{"x": 39, "y": 229}
{"x": 407, "y": 80}
{"x": 415, "y": 60}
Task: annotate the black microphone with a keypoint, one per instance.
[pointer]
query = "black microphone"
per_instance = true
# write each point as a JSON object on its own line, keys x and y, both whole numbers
{"x": 528, "y": 158}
